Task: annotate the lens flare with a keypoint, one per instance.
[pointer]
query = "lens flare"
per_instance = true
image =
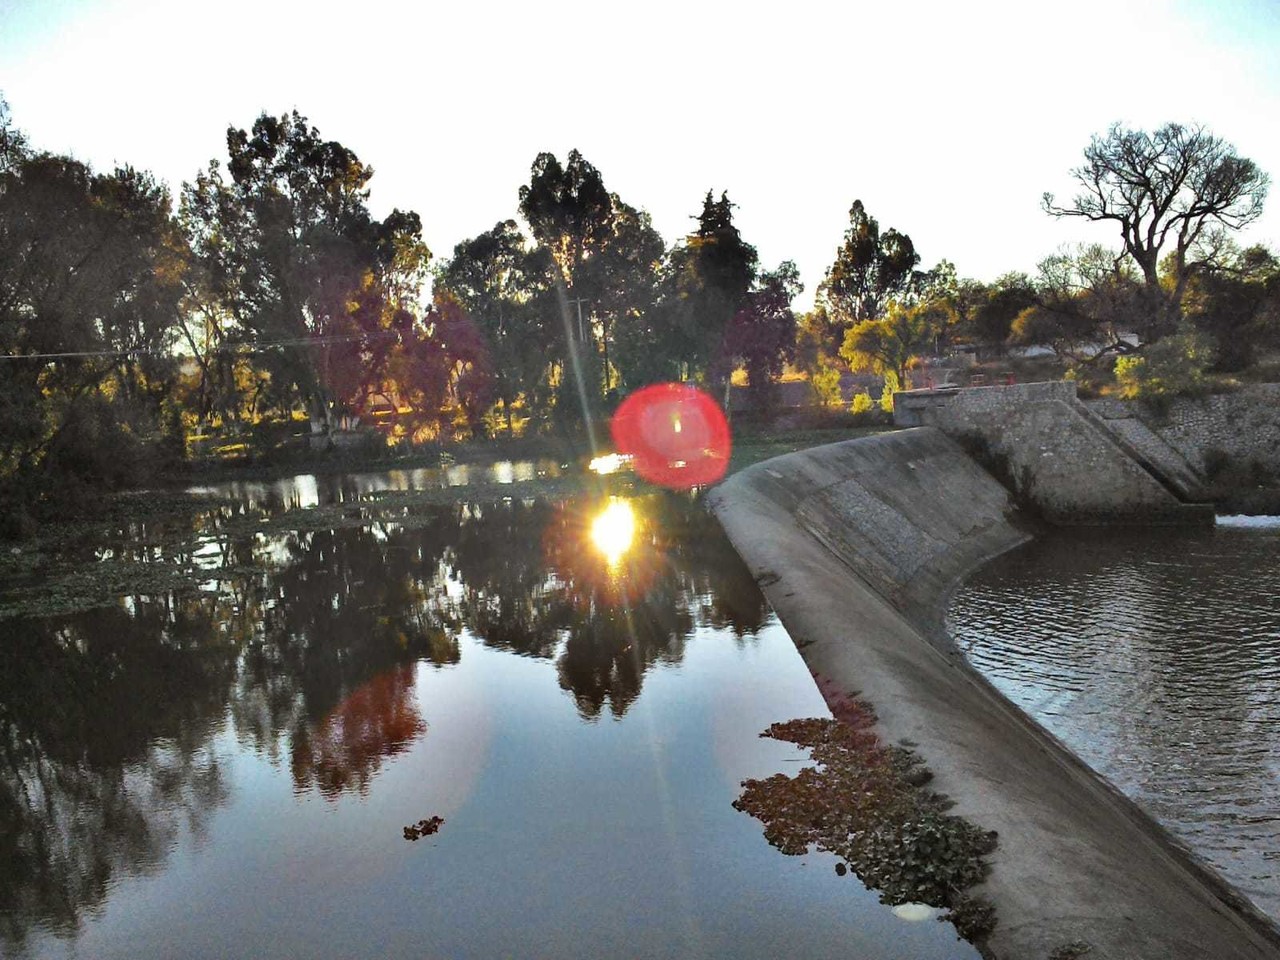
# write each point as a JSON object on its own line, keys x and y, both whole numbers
{"x": 613, "y": 530}
{"x": 675, "y": 434}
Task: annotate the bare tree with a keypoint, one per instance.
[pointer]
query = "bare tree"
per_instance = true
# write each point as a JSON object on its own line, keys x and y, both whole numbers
{"x": 1179, "y": 185}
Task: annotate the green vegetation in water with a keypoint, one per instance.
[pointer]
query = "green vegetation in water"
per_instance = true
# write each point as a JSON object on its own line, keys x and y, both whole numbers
{"x": 865, "y": 802}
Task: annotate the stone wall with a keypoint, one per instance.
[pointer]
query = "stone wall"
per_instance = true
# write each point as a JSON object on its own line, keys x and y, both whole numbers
{"x": 1052, "y": 453}
{"x": 1243, "y": 426}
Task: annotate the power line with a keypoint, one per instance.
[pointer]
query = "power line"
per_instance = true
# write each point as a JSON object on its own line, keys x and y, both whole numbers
{"x": 259, "y": 347}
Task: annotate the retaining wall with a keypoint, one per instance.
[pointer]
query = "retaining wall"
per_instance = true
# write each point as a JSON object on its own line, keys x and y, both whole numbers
{"x": 1243, "y": 426}
{"x": 1054, "y": 453}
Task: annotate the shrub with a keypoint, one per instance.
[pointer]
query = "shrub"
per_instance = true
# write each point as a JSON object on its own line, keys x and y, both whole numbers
{"x": 1173, "y": 367}
{"x": 891, "y": 386}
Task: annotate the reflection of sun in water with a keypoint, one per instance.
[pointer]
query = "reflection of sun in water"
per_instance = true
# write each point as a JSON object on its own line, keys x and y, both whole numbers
{"x": 612, "y": 530}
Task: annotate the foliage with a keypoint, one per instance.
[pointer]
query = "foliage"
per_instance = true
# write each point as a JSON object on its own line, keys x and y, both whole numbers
{"x": 1173, "y": 367}
{"x": 1083, "y": 301}
{"x": 825, "y": 383}
{"x": 706, "y": 282}
{"x": 1236, "y": 303}
{"x": 605, "y": 255}
{"x": 870, "y": 270}
{"x": 892, "y": 384}
{"x": 1178, "y": 185}
{"x": 762, "y": 334}
{"x": 996, "y": 308}
{"x": 504, "y": 284}
{"x": 89, "y": 294}
{"x": 890, "y": 344}
{"x": 862, "y": 403}
{"x": 294, "y": 261}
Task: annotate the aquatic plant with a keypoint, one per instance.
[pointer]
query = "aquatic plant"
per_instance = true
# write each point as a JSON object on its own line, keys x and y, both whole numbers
{"x": 865, "y": 802}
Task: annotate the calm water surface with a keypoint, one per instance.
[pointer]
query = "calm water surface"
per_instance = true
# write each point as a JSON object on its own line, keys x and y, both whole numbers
{"x": 230, "y": 772}
{"x": 1156, "y": 658}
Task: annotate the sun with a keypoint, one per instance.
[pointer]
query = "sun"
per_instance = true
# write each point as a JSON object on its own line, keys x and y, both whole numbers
{"x": 613, "y": 529}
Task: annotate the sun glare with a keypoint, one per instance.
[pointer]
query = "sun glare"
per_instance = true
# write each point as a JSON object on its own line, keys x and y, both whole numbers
{"x": 613, "y": 529}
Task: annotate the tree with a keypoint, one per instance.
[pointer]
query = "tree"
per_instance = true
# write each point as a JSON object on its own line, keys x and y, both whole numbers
{"x": 605, "y": 254}
{"x": 707, "y": 279}
{"x": 890, "y": 344}
{"x": 762, "y": 334}
{"x": 869, "y": 271}
{"x": 1175, "y": 186}
{"x": 89, "y": 292}
{"x": 1084, "y": 301}
{"x": 295, "y": 259}
{"x": 817, "y": 345}
{"x": 1236, "y": 302}
{"x": 991, "y": 320}
{"x": 505, "y": 286}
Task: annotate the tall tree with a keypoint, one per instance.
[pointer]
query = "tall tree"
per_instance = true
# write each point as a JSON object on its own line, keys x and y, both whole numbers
{"x": 504, "y": 284}
{"x": 295, "y": 258}
{"x": 871, "y": 269}
{"x": 606, "y": 255}
{"x": 1176, "y": 187}
{"x": 708, "y": 278}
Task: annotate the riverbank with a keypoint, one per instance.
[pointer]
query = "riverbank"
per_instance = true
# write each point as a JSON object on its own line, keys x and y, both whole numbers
{"x": 857, "y": 546}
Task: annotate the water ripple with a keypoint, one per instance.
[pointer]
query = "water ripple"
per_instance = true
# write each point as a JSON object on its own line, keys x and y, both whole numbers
{"x": 1156, "y": 657}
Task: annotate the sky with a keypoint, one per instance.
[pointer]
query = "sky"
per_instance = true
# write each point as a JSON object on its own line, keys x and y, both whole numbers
{"x": 948, "y": 120}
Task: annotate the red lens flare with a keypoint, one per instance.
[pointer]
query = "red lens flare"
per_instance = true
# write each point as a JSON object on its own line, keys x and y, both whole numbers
{"x": 677, "y": 436}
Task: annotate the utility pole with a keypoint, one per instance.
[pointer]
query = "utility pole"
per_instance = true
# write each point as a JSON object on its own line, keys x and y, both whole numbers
{"x": 582, "y": 332}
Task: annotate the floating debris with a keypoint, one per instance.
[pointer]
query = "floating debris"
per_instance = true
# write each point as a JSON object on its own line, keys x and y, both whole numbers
{"x": 423, "y": 828}
{"x": 864, "y": 801}
{"x": 914, "y": 912}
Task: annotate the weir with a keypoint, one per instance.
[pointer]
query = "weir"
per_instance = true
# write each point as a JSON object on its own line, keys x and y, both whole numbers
{"x": 857, "y": 546}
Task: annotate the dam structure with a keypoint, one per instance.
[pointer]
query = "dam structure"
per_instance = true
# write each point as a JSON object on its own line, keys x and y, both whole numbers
{"x": 859, "y": 544}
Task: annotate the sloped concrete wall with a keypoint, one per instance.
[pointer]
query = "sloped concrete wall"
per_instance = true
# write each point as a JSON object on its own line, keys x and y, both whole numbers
{"x": 1054, "y": 455}
{"x": 1243, "y": 425}
{"x": 857, "y": 545}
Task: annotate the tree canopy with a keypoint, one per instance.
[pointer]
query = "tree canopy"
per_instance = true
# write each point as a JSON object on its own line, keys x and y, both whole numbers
{"x": 870, "y": 269}
{"x": 294, "y": 257}
{"x": 1167, "y": 190}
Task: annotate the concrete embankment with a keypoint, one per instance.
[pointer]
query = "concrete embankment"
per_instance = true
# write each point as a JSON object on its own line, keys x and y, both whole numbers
{"x": 857, "y": 546}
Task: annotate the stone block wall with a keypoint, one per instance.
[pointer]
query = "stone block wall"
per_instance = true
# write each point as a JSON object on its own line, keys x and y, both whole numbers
{"x": 1054, "y": 456}
{"x": 1243, "y": 426}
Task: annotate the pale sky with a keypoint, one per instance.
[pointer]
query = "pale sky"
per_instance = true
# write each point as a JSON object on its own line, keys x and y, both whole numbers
{"x": 949, "y": 120}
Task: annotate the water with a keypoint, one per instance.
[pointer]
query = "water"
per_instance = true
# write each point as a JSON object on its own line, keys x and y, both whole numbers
{"x": 229, "y": 771}
{"x": 1155, "y": 656}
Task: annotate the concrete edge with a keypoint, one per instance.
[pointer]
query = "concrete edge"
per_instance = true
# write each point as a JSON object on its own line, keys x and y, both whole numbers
{"x": 1077, "y": 859}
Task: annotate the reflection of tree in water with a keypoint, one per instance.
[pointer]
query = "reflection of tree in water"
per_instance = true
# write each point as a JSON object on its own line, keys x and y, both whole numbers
{"x": 378, "y": 721}
{"x": 510, "y": 601}
{"x": 341, "y": 615}
{"x": 107, "y": 719}
{"x": 533, "y": 583}
{"x": 105, "y": 723}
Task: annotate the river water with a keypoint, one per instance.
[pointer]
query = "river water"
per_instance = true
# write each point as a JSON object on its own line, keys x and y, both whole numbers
{"x": 576, "y": 688}
{"x": 1155, "y": 656}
